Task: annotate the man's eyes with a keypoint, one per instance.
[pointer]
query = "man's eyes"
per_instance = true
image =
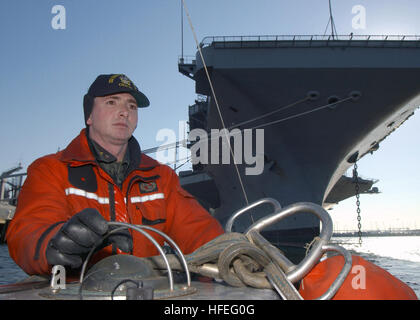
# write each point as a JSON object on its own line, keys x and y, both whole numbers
{"x": 132, "y": 106}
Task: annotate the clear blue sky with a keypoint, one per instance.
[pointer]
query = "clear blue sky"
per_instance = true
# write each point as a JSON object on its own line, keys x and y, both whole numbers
{"x": 45, "y": 73}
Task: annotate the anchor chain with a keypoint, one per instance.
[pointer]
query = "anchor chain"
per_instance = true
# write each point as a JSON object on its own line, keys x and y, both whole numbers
{"x": 357, "y": 193}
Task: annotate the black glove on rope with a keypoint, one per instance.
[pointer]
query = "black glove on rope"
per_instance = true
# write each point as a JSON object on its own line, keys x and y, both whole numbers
{"x": 79, "y": 235}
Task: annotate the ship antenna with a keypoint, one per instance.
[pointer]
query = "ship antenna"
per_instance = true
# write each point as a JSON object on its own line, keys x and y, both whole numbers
{"x": 333, "y": 29}
{"x": 182, "y": 31}
{"x": 216, "y": 103}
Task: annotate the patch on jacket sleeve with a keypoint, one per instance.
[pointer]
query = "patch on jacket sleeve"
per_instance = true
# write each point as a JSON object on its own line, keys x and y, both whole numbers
{"x": 83, "y": 178}
{"x": 148, "y": 187}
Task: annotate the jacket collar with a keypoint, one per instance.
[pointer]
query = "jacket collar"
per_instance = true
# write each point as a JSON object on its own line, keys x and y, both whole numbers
{"x": 79, "y": 151}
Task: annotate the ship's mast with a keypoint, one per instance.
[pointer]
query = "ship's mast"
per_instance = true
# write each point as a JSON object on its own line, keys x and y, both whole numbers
{"x": 182, "y": 30}
{"x": 331, "y": 20}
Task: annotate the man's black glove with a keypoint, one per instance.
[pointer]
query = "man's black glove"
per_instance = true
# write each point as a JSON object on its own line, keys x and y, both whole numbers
{"x": 122, "y": 239}
{"x": 79, "y": 235}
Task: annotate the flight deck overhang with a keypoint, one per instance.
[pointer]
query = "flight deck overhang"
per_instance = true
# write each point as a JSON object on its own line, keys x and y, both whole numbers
{"x": 310, "y": 52}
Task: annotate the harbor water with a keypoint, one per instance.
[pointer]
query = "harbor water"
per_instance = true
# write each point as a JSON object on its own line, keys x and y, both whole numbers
{"x": 399, "y": 255}
{"x": 9, "y": 271}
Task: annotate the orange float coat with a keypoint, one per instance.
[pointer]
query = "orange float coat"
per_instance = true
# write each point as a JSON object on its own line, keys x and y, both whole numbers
{"x": 365, "y": 281}
{"x": 62, "y": 184}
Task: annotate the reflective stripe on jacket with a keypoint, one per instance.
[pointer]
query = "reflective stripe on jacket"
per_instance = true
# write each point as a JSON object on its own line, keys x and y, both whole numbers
{"x": 62, "y": 184}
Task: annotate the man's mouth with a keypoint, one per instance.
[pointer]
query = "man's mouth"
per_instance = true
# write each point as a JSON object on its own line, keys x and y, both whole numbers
{"x": 120, "y": 124}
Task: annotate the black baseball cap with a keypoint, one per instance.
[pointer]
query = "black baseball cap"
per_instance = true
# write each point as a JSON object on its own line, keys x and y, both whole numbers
{"x": 107, "y": 84}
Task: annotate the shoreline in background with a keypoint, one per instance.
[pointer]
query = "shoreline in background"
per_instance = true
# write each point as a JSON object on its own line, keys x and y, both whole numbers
{"x": 378, "y": 233}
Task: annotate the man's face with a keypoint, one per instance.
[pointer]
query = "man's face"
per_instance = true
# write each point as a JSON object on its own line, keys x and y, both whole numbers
{"x": 113, "y": 119}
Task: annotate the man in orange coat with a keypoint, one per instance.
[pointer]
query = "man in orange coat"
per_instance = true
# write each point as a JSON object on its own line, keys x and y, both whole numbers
{"x": 101, "y": 176}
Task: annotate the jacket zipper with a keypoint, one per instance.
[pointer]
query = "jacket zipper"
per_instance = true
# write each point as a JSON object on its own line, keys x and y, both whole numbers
{"x": 112, "y": 210}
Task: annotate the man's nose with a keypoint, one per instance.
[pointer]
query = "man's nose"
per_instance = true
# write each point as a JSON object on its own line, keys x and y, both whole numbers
{"x": 124, "y": 109}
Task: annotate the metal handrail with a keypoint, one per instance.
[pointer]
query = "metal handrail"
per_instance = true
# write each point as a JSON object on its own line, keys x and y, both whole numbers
{"x": 299, "y": 40}
{"x": 321, "y": 245}
{"x": 186, "y": 59}
{"x": 141, "y": 228}
{"x": 332, "y": 290}
{"x": 276, "y": 206}
{"x": 296, "y": 272}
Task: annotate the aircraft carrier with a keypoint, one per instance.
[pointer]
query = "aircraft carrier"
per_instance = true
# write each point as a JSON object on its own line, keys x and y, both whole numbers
{"x": 323, "y": 101}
